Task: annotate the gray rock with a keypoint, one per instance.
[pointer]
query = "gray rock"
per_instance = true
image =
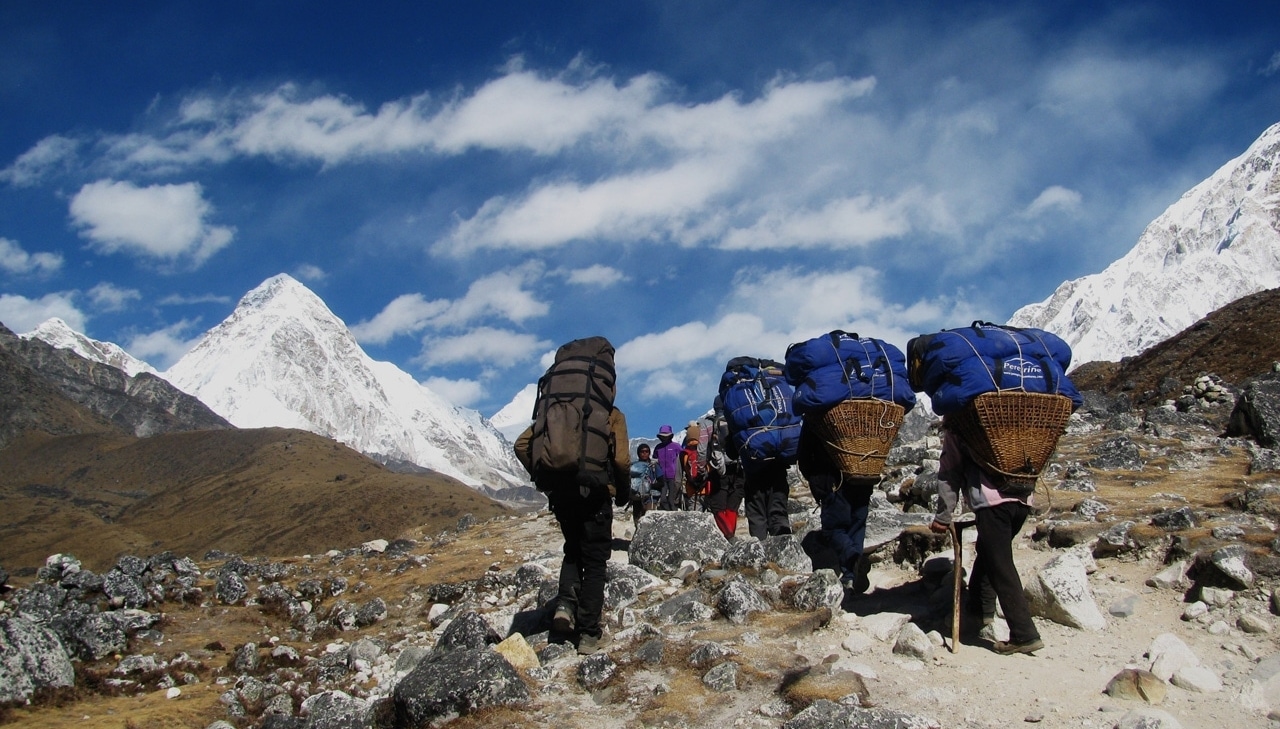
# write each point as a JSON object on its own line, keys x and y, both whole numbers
{"x": 1254, "y": 623}
{"x": 1263, "y": 460}
{"x": 411, "y": 656}
{"x": 595, "y": 670}
{"x": 1173, "y": 577}
{"x": 624, "y": 583}
{"x": 1257, "y": 413}
{"x": 823, "y": 714}
{"x": 246, "y": 658}
{"x": 31, "y": 657}
{"x": 1090, "y": 509}
{"x": 459, "y": 681}
{"x": 651, "y": 651}
{"x": 1118, "y": 453}
{"x": 371, "y": 612}
{"x": 1197, "y": 679}
{"x": 1136, "y": 684}
{"x": 1227, "y": 533}
{"x": 230, "y": 588}
{"x": 1167, "y": 654}
{"x": 468, "y": 631}
{"x": 1060, "y": 592}
{"x": 664, "y": 539}
{"x": 744, "y": 554}
{"x": 336, "y": 710}
{"x": 884, "y": 626}
{"x": 913, "y": 642}
{"x": 125, "y": 590}
{"x": 1147, "y": 718}
{"x": 1124, "y": 607}
{"x": 365, "y": 649}
{"x": 1229, "y": 563}
{"x": 822, "y": 589}
{"x": 681, "y": 607}
{"x": 709, "y": 653}
{"x": 737, "y": 601}
{"x": 785, "y": 552}
{"x": 93, "y": 636}
{"x": 1172, "y": 519}
{"x": 723, "y": 678}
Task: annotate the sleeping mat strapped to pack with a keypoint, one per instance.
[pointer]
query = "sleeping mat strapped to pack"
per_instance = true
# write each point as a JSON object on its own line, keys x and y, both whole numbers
{"x": 763, "y": 428}
{"x": 954, "y": 366}
{"x": 839, "y": 366}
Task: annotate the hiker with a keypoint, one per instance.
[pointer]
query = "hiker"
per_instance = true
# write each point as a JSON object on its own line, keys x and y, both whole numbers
{"x": 667, "y": 453}
{"x": 844, "y": 500}
{"x": 999, "y": 518}
{"x": 644, "y": 473}
{"x": 766, "y": 493}
{"x": 576, "y": 453}
{"x": 724, "y": 475}
{"x": 693, "y": 476}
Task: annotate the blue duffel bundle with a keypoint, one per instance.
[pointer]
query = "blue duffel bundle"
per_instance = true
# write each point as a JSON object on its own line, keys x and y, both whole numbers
{"x": 954, "y": 366}
{"x": 839, "y": 366}
{"x": 763, "y": 427}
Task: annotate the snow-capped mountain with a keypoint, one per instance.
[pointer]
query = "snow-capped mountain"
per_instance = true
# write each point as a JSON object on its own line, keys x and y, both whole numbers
{"x": 283, "y": 359}
{"x": 516, "y": 415}
{"x": 56, "y": 333}
{"x": 1220, "y": 242}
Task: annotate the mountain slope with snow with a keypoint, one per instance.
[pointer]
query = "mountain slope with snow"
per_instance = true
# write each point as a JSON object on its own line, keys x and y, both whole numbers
{"x": 516, "y": 415}
{"x": 57, "y": 333}
{"x": 283, "y": 359}
{"x": 1218, "y": 243}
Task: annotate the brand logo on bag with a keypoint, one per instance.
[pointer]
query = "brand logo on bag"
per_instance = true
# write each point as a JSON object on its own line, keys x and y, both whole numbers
{"x": 1023, "y": 368}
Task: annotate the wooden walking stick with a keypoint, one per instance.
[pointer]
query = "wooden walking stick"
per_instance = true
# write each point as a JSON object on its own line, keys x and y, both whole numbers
{"x": 957, "y": 569}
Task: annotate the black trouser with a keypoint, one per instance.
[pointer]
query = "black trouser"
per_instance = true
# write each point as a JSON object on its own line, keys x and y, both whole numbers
{"x": 766, "y": 496}
{"x": 587, "y": 526}
{"x": 994, "y": 573}
{"x": 670, "y": 498}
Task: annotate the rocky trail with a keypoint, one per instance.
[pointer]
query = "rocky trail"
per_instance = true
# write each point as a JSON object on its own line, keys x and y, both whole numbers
{"x": 1152, "y": 565}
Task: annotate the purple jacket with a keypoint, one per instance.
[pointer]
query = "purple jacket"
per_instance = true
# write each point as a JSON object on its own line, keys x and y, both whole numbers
{"x": 668, "y": 457}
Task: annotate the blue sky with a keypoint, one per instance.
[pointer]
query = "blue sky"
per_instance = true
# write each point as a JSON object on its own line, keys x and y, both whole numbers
{"x": 468, "y": 185}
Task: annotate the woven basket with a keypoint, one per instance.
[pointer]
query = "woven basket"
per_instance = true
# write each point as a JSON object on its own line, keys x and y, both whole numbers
{"x": 1012, "y": 434}
{"x": 858, "y": 434}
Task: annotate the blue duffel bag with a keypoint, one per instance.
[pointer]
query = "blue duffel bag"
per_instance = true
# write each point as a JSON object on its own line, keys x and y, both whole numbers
{"x": 839, "y": 366}
{"x": 763, "y": 427}
{"x": 954, "y": 366}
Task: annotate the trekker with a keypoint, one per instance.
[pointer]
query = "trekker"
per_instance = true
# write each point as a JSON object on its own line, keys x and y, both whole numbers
{"x": 844, "y": 500}
{"x": 725, "y": 476}
{"x": 999, "y": 519}
{"x": 644, "y": 473}
{"x": 586, "y": 472}
{"x": 767, "y": 493}
{"x": 693, "y": 477}
{"x": 667, "y": 453}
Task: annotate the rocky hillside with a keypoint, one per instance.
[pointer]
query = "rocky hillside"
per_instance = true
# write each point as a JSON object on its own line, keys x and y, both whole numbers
{"x": 142, "y": 404}
{"x": 30, "y": 402}
{"x": 1238, "y": 341}
{"x": 1151, "y": 564}
{"x": 265, "y": 492}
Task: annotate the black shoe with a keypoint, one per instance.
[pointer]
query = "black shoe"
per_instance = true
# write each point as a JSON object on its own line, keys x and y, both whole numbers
{"x": 563, "y": 620}
{"x": 1009, "y": 647}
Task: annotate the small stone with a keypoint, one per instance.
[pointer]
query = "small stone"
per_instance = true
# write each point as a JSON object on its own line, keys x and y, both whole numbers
{"x": 1219, "y": 627}
{"x": 1253, "y": 623}
{"x": 173, "y": 693}
{"x": 1194, "y": 611}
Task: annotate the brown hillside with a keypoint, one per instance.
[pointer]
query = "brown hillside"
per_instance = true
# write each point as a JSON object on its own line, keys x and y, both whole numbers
{"x": 29, "y": 402}
{"x": 261, "y": 492}
{"x": 1238, "y": 341}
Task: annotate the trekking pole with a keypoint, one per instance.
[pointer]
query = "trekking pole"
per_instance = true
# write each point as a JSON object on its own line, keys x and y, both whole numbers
{"x": 957, "y": 568}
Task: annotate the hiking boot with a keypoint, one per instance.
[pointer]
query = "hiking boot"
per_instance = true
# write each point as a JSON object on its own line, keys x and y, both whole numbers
{"x": 591, "y": 644}
{"x": 563, "y": 620}
{"x": 1009, "y": 647}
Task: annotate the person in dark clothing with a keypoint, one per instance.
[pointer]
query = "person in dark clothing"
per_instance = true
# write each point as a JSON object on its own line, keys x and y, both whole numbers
{"x": 585, "y": 515}
{"x": 726, "y": 478}
{"x": 767, "y": 493}
{"x": 999, "y": 518}
{"x": 844, "y": 500}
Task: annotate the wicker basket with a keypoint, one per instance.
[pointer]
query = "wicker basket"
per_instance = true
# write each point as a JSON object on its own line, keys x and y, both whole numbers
{"x": 858, "y": 434}
{"x": 1012, "y": 434}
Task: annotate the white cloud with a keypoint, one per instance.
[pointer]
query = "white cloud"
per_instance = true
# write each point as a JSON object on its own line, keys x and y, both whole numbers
{"x": 21, "y": 314}
{"x": 15, "y": 260}
{"x": 186, "y": 300}
{"x": 162, "y": 347}
{"x": 847, "y": 222}
{"x": 497, "y": 347}
{"x": 310, "y": 272}
{"x": 109, "y": 297}
{"x": 1273, "y": 65}
{"x": 167, "y": 222}
{"x": 50, "y": 155}
{"x": 597, "y": 276}
{"x": 1054, "y": 197}
{"x": 459, "y": 392}
{"x": 499, "y": 295}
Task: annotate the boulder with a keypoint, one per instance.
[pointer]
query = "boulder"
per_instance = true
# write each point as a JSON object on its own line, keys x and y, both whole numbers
{"x": 822, "y": 589}
{"x": 1119, "y": 453}
{"x": 737, "y": 601}
{"x": 1257, "y": 413}
{"x": 335, "y": 710}
{"x": 1060, "y": 592}
{"x": 1168, "y": 654}
{"x": 723, "y": 678}
{"x": 31, "y": 657}
{"x": 1135, "y": 684}
{"x": 458, "y": 681}
{"x": 785, "y": 552}
{"x": 823, "y": 714}
{"x": 468, "y": 631}
{"x": 664, "y": 539}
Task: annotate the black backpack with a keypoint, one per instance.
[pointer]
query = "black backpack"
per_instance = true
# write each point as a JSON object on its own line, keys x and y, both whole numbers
{"x": 571, "y": 433}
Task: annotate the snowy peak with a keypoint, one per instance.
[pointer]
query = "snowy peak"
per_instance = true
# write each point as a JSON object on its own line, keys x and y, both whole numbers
{"x": 57, "y": 333}
{"x": 1218, "y": 243}
{"x": 282, "y": 358}
{"x": 516, "y": 415}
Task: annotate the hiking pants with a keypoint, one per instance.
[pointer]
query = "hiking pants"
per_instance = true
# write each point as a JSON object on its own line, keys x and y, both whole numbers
{"x": 994, "y": 572}
{"x": 725, "y": 498}
{"x": 670, "y": 499}
{"x": 844, "y": 523}
{"x": 587, "y": 526}
{"x": 767, "y": 492}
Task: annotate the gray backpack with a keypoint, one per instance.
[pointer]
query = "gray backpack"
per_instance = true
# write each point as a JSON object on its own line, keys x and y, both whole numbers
{"x": 571, "y": 433}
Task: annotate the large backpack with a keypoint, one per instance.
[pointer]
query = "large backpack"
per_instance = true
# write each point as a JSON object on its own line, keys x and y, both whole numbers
{"x": 571, "y": 433}
{"x": 763, "y": 428}
{"x": 840, "y": 366}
